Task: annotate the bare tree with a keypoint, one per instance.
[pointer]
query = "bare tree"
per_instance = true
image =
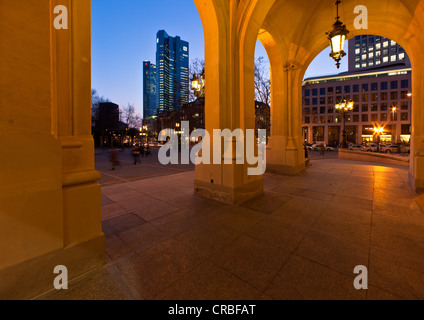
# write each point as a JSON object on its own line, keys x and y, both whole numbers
{"x": 129, "y": 116}
{"x": 95, "y": 101}
{"x": 262, "y": 82}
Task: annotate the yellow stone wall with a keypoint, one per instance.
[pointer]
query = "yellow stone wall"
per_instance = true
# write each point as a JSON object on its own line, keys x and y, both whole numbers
{"x": 49, "y": 199}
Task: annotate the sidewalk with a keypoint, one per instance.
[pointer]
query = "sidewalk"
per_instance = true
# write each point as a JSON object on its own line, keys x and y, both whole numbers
{"x": 301, "y": 240}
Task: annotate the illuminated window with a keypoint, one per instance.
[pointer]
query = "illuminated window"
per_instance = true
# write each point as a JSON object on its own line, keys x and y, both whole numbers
{"x": 364, "y": 65}
{"x": 358, "y": 51}
{"x": 393, "y": 43}
{"x": 378, "y": 46}
{"x": 364, "y": 57}
{"x": 378, "y": 62}
{"x": 393, "y": 58}
{"x": 385, "y": 59}
{"x": 401, "y": 56}
{"x": 385, "y": 44}
{"x": 371, "y": 55}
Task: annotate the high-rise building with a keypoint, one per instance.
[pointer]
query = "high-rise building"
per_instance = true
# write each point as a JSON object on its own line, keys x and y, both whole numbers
{"x": 150, "y": 97}
{"x": 379, "y": 81}
{"x": 172, "y": 62}
{"x": 368, "y": 52}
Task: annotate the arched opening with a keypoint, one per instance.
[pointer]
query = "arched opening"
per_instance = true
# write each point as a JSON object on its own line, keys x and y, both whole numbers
{"x": 377, "y": 77}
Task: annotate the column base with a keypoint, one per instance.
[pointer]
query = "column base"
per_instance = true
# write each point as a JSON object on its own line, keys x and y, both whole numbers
{"x": 416, "y": 184}
{"x": 228, "y": 194}
{"x": 35, "y": 277}
{"x": 286, "y": 170}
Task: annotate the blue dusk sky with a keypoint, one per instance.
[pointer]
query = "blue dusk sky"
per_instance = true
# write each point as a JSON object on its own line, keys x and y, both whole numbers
{"x": 124, "y": 35}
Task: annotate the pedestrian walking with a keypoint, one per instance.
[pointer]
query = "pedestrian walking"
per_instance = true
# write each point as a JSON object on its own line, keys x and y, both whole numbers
{"x": 322, "y": 150}
{"x": 136, "y": 154}
{"x": 114, "y": 158}
{"x": 142, "y": 149}
{"x": 147, "y": 150}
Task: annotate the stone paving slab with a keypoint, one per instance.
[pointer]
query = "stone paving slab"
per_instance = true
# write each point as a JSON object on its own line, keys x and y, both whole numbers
{"x": 302, "y": 239}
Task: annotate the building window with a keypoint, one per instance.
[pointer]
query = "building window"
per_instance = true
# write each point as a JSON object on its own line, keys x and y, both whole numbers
{"x": 364, "y": 57}
{"x": 330, "y": 90}
{"x": 377, "y": 62}
{"x": 307, "y": 120}
{"x": 347, "y": 89}
{"x": 374, "y": 97}
{"x": 404, "y": 105}
{"x": 364, "y": 118}
{"x": 321, "y": 119}
{"x": 393, "y": 50}
{"x": 358, "y": 65}
{"x": 330, "y": 100}
{"x": 393, "y": 116}
{"x": 393, "y": 58}
{"x": 307, "y": 93}
{"x": 322, "y": 101}
{"x": 364, "y": 108}
{"x": 357, "y": 51}
{"x": 315, "y": 120}
{"x": 356, "y": 88}
{"x": 383, "y": 86}
{"x": 357, "y": 59}
{"x": 314, "y": 92}
{"x": 383, "y": 96}
{"x": 371, "y": 48}
{"x": 307, "y": 102}
{"x": 322, "y": 110}
{"x": 374, "y": 117}
{"x": 322, "y": 91}
{"x": 385, "y": 44}
{"x": 374, "y": 107}
{"x": 378, "y": 54}
{"x": 404, "y": 95}
{"x": 356, "y": 108}
{"x": 404, "y": 84}
{"x": 356, "y": 118}
{"x": 374, "y": 86}
{"x": 364, "y": 65}
{"x": 314, "y": 110}
{"x": 385, "y": 59}
{"x": 383, "y": 117}
{"x": 314, "y": 101}
{"x": 385, "y": 52}
{"x": 404, "y": 116}
{"x": 393, "y": 95}
{"x": 393, "y": 43}
{"x": 338, "y": 89}
{"x": 378, "y": 46}
{"x": 307, "y": 111}
{"x": 401, "y": 56}
{"x": 355, "y": 98}
{"x": 330, "y": 110}
{"x": 365, "y": 87}
{"x": 330, "y": 119}
{"x": 365, "y": 97}
{"x": 383, "y": 107}
{"x": 371, "y": 55}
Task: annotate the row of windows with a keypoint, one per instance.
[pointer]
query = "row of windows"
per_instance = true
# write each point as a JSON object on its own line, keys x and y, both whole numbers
{"x": 363, "y": 108}
{"x": 383, "y": 117}
{"x": 365, "y": 97}
{"x": 404, "y": 84}
{"x": 371, "y": 63}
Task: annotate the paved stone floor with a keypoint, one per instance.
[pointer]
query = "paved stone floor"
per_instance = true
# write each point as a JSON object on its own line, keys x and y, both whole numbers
{"x": 301, "y": 240}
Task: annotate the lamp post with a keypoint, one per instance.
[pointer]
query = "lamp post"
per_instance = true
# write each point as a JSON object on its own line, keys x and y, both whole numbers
{"x": 198, "y": 84}
{"x": 337, "y": 37}
{"x": 344, "y": 107}
{"x": 378, "y": 131}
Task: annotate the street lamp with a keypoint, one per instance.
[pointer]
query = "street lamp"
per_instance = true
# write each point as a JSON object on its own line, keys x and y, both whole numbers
{"x": 378, "y": 131}
{"x": 344, "y": 107}
{"x": 198, "y": 84}
{"x": 337, "y": 37}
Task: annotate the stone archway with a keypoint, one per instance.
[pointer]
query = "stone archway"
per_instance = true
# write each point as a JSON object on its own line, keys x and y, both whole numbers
{"x": 293, "y": 37}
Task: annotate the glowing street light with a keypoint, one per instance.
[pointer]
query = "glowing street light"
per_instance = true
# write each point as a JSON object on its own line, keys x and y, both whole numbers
{"x": 344, "y": 107}
{"x": 378, "y": 131}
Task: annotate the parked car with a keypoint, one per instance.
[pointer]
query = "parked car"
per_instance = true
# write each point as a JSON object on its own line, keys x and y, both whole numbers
{"x": 357, "y": 147}
{"x": 372, "y": 147}
{"x": 395, "y": 149}
{"x": 330, "y": 148}
{"x": 390, "y": 149}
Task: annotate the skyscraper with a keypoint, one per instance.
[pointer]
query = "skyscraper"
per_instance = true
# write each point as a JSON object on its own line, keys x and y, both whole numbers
{"x": 368, "y": 52}
{"x": 150, "y": 98}
{"x": 172, "y": 61}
